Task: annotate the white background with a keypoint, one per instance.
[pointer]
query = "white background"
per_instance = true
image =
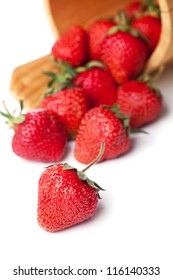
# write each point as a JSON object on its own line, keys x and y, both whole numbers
{"x": 134, "y": 223}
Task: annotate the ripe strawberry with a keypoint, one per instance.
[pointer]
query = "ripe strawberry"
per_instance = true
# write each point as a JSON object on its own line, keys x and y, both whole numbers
{"x": 96, "y": 34}
{"x": 98, "y": 85}
{"x": 101, "y": 124}
{"x": 69, "y": 105}
{"x": 72, "y": 46}
{"x": 38, "y": 136}
{"x": 140, "y": 101}
{"x": 96, "y": 82}
{"x": 124, "y": 54}
{"x": 65, "y": 197}
{"x": 134, "y": 9}
{"x": 150, "y": 27}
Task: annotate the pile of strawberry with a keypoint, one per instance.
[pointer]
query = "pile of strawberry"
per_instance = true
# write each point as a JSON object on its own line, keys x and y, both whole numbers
{"x": 99, "y": 94}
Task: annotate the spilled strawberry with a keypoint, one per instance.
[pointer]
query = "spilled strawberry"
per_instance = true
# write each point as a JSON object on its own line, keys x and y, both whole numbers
{"x": 124, "y": 51}
{"x": 146, "y": 20}
{"x": 150, "y": 27}
{"x": 98, "y": 85}
{"x": 66, "y": 196}
{"x": 140, "y": 99}
{"x": 134, "y": 9}
{"x": 38, "y": 135}
{"x": 72, "y": 46}
{"x": 96, "y": 81}
{"x": 96, "y": 34}
{"x": 99, "y": 124}
{"x": 69, "y": 105}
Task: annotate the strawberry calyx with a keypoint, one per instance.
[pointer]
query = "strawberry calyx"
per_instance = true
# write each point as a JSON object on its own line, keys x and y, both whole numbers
{"x": 125, "y": 119}
{"x": 125, "y": 28}
{"x": 124, "y": 25}
{"x": 12, "y": 120}
{"x": 148, "y": 8}
{"x": 81, "y": 174}
{"x": 63, "y": 78}
{"x": 60, "y": 79}
{"x": 151, "y": 9}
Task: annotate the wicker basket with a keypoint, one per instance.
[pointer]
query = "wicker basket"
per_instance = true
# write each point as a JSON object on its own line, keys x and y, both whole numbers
{"x": 28, "y": 82}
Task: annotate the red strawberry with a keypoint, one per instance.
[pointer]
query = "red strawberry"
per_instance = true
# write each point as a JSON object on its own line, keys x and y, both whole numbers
{"x": 98, "y": 85}
{"x": 101, "y": 124}
{"x": 124, "y": 54}
{"x": 96, "y": 34}
{"x": 140, "y": 101}
{"x": 133, "y": 9}
{"x": 38, "y": 136}
{"x": 70, "y": 105}
{"x": 65, "y": 197}
{"x": 96, "y": 82}
{"x": 150, "y": 27}
{"x": 72, "y": 46}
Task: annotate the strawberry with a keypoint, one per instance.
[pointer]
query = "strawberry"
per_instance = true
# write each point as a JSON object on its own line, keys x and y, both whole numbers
{"x": 96, "y": 34}
{"x": 69, "y": 105}
{"x": 139, "y": 100}
{"x": 124, "y": 53}
{"x": 102, "y": 124}
{"x": 72, "y": 46}
{"x": 38, "y": 135}
{"x": 98, "y": 85}
{"x": 66, "y": 197}
{"x": 134, "y": 9}
{"x": 150, "y": 27}
{"x": 96, "y": 82}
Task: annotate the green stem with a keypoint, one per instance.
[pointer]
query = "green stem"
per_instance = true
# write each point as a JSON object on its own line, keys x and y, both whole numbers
{"x": 150, "y": 4}
{"x": 97, "y": 158}
{"x": 8, "y": 113}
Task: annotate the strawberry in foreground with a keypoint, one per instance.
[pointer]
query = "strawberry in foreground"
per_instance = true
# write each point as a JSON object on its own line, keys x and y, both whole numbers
{"x": 99, "y": 124}
{"x": 72, "y": 46}
{"x": 141, "y": 100}
{"x": 69, "y": 105}
{"x": 38, "y": 135}
{"x": 66, "y": 196}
